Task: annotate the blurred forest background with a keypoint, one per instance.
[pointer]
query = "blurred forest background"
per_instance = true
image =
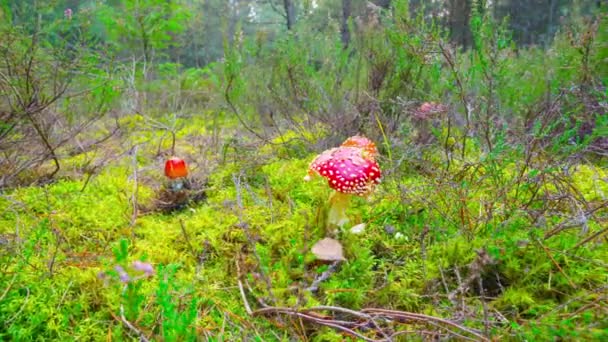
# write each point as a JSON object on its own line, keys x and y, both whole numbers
{"x": 192, "y": 33}
{"x": 69, "y": 63}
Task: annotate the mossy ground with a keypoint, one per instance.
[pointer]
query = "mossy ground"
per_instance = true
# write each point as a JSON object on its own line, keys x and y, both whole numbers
{"x": 426, "y": 225}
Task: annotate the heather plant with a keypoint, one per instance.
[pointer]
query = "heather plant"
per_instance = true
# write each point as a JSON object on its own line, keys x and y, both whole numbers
{"x": 48, "y": 69}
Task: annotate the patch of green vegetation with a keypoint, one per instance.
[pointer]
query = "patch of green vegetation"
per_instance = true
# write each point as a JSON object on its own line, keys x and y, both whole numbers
{"x": 491, "y": 212}
{"x": 64, "y": 246}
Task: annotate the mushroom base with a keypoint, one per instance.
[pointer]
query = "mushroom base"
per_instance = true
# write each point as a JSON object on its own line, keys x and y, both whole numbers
{"x": 176, "y": 184}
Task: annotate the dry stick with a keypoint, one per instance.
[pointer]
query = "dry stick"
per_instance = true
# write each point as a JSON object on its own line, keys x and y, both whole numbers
{"x": 243, "y": 225}
{"x": 590, "y": 238}
{"x": 135, "y": 188}
{"x": 348, "y": 311}
{"x": 236, "y": 112}
{"x": 128, "y": 324}
{"x": 424, "y": 318}
{"x": 595, "y": 302}
{"x": 421, "y": 332}
{"x": 25, "y": 301}
{"x": 373, "y": 312}
{"x": 220, "y": 336}
{"x": 363, "y": 314}
{"x": 445, "y": 284}
{"x": 314, "y": 287}
{"x": 446, "y": 143}
{"x": 51, "y": 263}
{"x": 326, "y": 322}
{"x": 486, "y": 323}
{"x": 238, "y": 279}
{"x": 557, "y": 265}
{"x": 462, "y": 288}
{"x": 447, "y": 332}
{"x": 449, "y": 58}
{"x": 268, "y": 189}
{"x": 8, "y": 288}
{"x": 338, "y": 309}
{"x": 573, "y": 223}
{"x": 186, "y": 237}
{"x": 65, "y": 293}
{"x": 423, "y": 235}
{"x": 260, "y": 300}
{"x": 45, "y": 140}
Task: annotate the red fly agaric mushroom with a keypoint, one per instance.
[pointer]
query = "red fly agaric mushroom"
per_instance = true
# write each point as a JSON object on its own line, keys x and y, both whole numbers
{"x": 350, "y": 170}
{"x": 176, "y": 169}
{"x": 428, "y": 110}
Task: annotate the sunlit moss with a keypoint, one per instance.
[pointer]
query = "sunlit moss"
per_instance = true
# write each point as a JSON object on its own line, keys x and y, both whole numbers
{"x": 421, "y": 232}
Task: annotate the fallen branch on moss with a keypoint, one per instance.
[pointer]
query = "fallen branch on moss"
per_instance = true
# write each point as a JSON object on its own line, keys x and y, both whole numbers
{"x": 377, "y": 322}
{"x": 123, "y": 319}
{"x": 369, "y": 321}
{"x": 314, "y": 287}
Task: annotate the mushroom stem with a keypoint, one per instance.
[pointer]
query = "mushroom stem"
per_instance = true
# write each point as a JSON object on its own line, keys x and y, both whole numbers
{"x": 338, "y": 203}
{"x": 177, "y": 184}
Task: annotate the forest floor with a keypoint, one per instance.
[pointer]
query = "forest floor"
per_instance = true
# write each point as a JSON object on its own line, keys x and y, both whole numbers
{"x": 486, "y": 247}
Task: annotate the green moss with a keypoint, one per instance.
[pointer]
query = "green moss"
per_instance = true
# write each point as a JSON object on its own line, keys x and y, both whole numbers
{"x": 423, "y": 231}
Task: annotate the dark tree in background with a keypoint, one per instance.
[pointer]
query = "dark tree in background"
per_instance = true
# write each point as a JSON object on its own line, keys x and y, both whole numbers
{"x": 344, "y": 31}
{"x": 458, "y": 22}
{"x": 290, "y": 13}
{"x": 533, "y": 21}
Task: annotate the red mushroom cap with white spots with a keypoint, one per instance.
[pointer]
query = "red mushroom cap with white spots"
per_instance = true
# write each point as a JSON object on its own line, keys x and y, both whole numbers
{"x": 347, "y": 170}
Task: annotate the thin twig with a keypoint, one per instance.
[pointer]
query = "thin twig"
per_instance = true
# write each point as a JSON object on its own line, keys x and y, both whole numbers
{"x": 27, "y": 298}
{"x": 238, "y": 279}
{"x": 590, "y": 238}
{"x": 232, "y": 106}
{"x": 8, "y": 288}
{"x": 368, "y": 316}
{"x": 186, "y": 237}
{"x": 65, "y": 293}
{"x": 314, "y": 287}
{"x": 326, "y": 322}
{"x": 135, "y": 188}
{"x": 427, "y": 318}
{"x": 245, "y": 226}
{"x": 131, "y": 327}
{"x": 557, "y": 265}
{"x": 482, "y": 292}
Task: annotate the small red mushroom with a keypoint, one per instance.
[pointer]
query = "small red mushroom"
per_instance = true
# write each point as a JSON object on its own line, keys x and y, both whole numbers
{"x": 350, "y": 170}
{"x": 176, "y": 168}
{"x": 428, "y": 110}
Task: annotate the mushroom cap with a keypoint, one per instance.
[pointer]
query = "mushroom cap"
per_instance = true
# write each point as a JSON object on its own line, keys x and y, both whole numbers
{"x": 175, "y": 168}
{"x": 428, "y": 110}
{"x": 363, "y": 143}
{"x": 347, "y": 170}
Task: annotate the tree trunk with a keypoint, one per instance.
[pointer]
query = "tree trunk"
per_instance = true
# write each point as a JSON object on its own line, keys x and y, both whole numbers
{"x": 290, "y": 13}
{"x": 466, "y": 30}
{"x": 458, "y": 22}
{"x": 344, "y": 31}
{"x": 382, "y": 3}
